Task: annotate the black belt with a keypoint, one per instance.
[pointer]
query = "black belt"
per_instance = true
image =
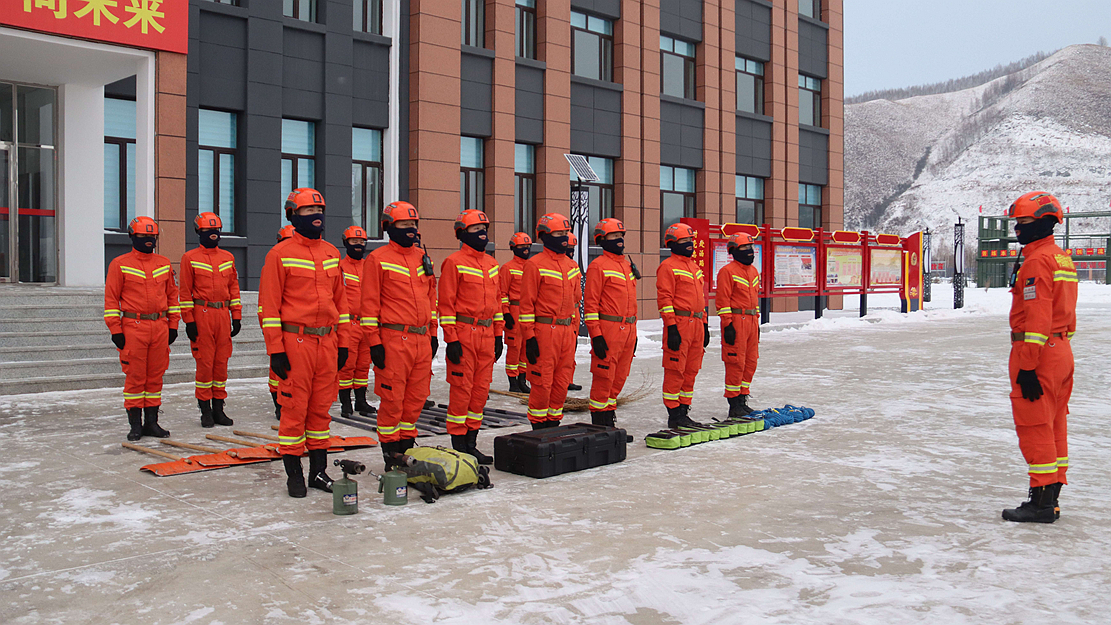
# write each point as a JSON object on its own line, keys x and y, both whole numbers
{"x": 687, "y": 313}
{"x": 514, "y": 302}
{"x": 201, "y": 302}
{"x": 399, "y": 327}
{"x": 559, "y": 322}
{"x": 145, "y": 317}
{"x": 632, "y": 319}
{"x": 750, "y": 311}
{"x": 296, "y": 329}
{"x": 486, "y": 323}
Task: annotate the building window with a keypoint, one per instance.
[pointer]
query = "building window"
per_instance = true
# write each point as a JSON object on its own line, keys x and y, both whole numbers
{"x": 366, "y": 180}
{"x": 119, "y": 163}
{"x": 368, "y": 16}
{"x": 526, "y": 28}
{"x": 750, "y": 86}
{"x": 524, "y": 191}
{"x": 234, "y": 3}
{"x": 676, "y": 195}
{"x": 591, "y": 47}
{"x": 216, "y": 136}
{"x": 750, "y": 200}
{"x": 677, "y": 67}
{"x": 810, "y": 100}
{"x": 298, "y": 150}
{"x": 472, "y": 187}
{"x": 810, "y": 206}
{"x": 811, "y": 8}
{"x": 600, "y": 193}
{"x": 474, "y": 23}
{"x": 304, "y": 10}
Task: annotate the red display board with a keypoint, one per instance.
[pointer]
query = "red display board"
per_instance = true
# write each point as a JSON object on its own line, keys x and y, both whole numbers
{"x": 153, "y": 24}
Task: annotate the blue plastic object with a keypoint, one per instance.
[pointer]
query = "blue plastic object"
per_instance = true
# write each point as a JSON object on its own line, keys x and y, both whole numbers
{"x": 788, "y": 414}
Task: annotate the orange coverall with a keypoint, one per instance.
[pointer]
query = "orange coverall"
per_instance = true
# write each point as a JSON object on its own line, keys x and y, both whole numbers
{"x": 470, "y": 312}
{"x": 682, "y": 302}
{"x": 140, "y": 300}
{"x": 209, "y": 287}
{"x": 550, "y": 295}
{"x": 1043, "y": 320}
{"x": 510, "y": 277}
{"x": 399, "y": 313}
{"x": 306, "y": 317}
{"x": 610, "y": 306}
{"x": 738, "y": 300}
{"x": 356, "y": 371}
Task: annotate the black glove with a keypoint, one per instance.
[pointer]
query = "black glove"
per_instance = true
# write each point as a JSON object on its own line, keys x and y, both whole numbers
{"x": 342, "y": 357}
{"x": 729, "y": 333}
{"x": 191, "y": 331}
{"x": 705, "y": 334}
{"x": 455, "y": 352}
{"x": 236, "y": 326}
{"x": 509, "y": 323}
{"x": 1031, "y": 387}
{"x": 119, "y": 340}
{"x": 173, "y": 336}
{"x": 674, "y": 341}
{"x": 378, "y": 356}
{"x": 498, "y": 347}
{"x": 600, "y": 347}
{"x": 532, "y": 350}
{"x": 435, "y": 345}
{"x": 279, "y": 364}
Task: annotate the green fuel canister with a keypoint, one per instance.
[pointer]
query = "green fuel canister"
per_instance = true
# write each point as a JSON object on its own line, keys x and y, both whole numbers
{"x": 394, "y": 487}
{"x": 345, "y": 491}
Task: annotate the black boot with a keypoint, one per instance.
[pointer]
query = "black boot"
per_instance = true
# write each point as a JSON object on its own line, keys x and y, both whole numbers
{"x": 514, "y": 384}
{"x": 406, "y": 444}
{"x": 574, "y": 387}
{"x": 150, "y": 423}
{"x": 744, "y": 404}
{"x": 522, "y": 381}
{"x": 673, "y": 417}
{"x": 135, "y": 420}
{"x": 389, "y": 453}
{"x": 361, "y": 406}
{"x": 472, "y": 445}
{"x": 686, "y": 420}
{"x": 345, "y": 409}
{"x": 1039, "y": 509}
{"x": 295, "y": 478}
{"x": 277, "y": 406}
{"x": 318, "y": 479}
{"x": 1055, "y": 492}
{"x": 206, "y": 413}
{"x": 737, "y": 407}
{"x": 218, "y": 416}
{"x": 459, "y": 443}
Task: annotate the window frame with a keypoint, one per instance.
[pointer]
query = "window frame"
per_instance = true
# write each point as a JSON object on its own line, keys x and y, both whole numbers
{"x": 524, "y": 217}
{"x": 605, "y": 45}
{"x": 295, "y": 159}
{"x": 230, "y": 225}
{"x": 815, "y": 210}
{"x": 525, "y": 30}
{"x": 743, "y": 181}
{"x": 477, "y": 23}
{"x": 689, "y": 197}
{"x": 373, "y": 226}
{"x": 807, "y": 86}
{"x": 744, "y": 65}
{"x": 295, "y": 10}
{"x": 472, "y": 180}
{"x": 689, "y": 76}
{"x": 814, "y": 5}
{"x": 121, "y": 144}
{"x": 368, "y": 26}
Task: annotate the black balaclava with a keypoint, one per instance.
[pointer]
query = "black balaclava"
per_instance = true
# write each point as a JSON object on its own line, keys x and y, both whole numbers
{"x": 355, "y": 252}
{"x": 682, "y": 249}
{"x": 405, "y": 237}
{"x": 745, "y": 257}
{"x": 304, "y": 225}
{"x": 140, "y": 243}
{"x": 474, "y": 240}
{"x": 207, "y": 239}
{"x": 555, "y": 244}
{"x": 522, "y": 251}
{"x": 613, "y": 246}
{"x": 1037, "y": 229}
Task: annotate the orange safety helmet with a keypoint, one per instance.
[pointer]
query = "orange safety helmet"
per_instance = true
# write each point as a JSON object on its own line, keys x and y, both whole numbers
{"x": 144, "y": 226}
{"x": 285, "y": 232}
{"x": 552, "y": 222}
{"x": 675, "y": 232}
{"x": 520, "y": 238}
{"x": 207, "y": 221}
{"x": 572, "y": 240}
{"x": 354, "y": 232}
{"x": 1037, "y": 204}
{"x": 470, "y": 217}
{"x": 738, "y": 240}
{"x": 399, "y": 211}
{"x": 302, "y": 197}
{"x": 609, "y": 225}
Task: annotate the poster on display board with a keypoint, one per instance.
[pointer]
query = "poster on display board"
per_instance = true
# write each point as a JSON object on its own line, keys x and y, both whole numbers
{"x": 795, "y": 266}
{"x": 844, "y": 267}
{"x": 887, "y": 267}
{"x": 722, "y": 257}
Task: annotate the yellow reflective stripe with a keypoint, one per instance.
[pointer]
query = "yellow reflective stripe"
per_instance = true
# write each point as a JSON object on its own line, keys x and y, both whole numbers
{"x": 689, "y": 394}
{"x": 133, "y": 395}
{"x": 537, "y": 412}
{"x": 346, "y": 382}
{"x": 133, "y": 271}
{"x": 330, "y": 263}
{"x": 318, "y": 434}
{"x": 112, "y": 312}
{"x": 408, "y": 427}
{"x": 291, "y": 440}
{"x": 672, "y": 396}
{"x": 227, "y": 265}
{"x": 219, "y": 383}
{"x": 369, "y": 322}
{"x": 699, "y": 274}
{"x": 300, "y": 263}
{"x": 601, "y": 405}
{"x": 383, "y": 430}
{"x": 574, "y": 273}
{"x": 274, "y": 383}
{"x": 555, "y": 412}
{"x": 186, "y": 304}
{"x": 474, "y": 271}
{"x": 236, "y": 302}
{"x": 725, "y": 311}
{"x": 1035, "y": 338}
{"x": 160, "y": 271}
{"x": 447, "y": 321}
{"x": 505, "y": 300}
{"x": 421, "y": 271}
{"x": 551, "y": 273}
{"x": 494, "y": 272}
{"x": 361, "y": 381}
{"x": 667, "y": 309}
{"x": 516, "y": 272}
{"x": 1065, "y": 276}
{"x": 435, "y": 315}
{"x": 683, "y": 272}
{"x": 528, "y": 318}
{"x": 345, "y": 318}
{"x": 396, "y": 268}
{"x": 157, "y": 395}
{"x": 731, "y": 388}
{"x": 1063, "y": 462}
{"x": 592, "y": 316}
{"x": 1070, "y": 334}
{"x": 271, "y": 322}
{"x": 1041, "y": 469}
{"x": 201, "y": 266}
{"x": 456, "y": 418}
{"x": 174, "y": 309}
{"x": 609, "y": 273}
{"x": 200, "y": 384}
{"x": 352, "y": 277}
{"x": 746, "y": 384}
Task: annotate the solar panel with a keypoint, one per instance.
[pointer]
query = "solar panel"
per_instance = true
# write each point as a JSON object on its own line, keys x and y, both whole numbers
{"x": 582, "y": 168}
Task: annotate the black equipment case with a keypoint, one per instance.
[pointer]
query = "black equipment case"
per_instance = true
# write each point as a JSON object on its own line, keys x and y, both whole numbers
{"x": 558, "y": 450}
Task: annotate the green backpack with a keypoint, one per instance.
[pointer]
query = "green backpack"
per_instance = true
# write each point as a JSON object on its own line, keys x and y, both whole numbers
{"x": 437, "y": 470}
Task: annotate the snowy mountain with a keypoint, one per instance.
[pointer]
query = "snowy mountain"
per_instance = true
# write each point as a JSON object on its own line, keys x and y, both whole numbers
{"x": 922, "y": 161}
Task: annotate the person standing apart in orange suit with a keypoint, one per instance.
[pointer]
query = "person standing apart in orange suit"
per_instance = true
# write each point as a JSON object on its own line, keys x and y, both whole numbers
{"x": 738, "y": 299}
{"x": 682, "y": 304}
{"x": 141, "y": 311}
{"x": 510, "y": 277}
{"x": 355, "y": 375}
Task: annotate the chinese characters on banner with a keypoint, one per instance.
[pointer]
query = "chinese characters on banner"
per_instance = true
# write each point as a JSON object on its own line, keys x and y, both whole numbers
{"x": 153, "y": 24}
{"x": 703, "y": 254}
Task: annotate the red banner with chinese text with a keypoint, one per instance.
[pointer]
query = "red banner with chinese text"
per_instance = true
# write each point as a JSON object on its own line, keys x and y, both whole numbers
{"x": 703, "y": 253}
{"x": 153, "y": 24}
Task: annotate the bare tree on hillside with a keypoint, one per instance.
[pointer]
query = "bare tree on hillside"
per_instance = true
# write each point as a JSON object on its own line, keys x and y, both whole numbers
{"x": 1102, "y": 41}
{"x": 956, "y": 84}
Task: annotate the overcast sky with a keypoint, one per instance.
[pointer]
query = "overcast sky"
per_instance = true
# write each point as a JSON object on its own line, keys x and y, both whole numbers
{"x": 901, "y": 43}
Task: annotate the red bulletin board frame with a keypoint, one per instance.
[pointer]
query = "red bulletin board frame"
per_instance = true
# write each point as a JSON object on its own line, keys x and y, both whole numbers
{"x": 151, "y": 24}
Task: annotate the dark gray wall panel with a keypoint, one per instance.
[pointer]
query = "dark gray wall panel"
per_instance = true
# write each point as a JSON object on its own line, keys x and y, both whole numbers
{"x": 812, "y": 49}
{"x": 530, "y": 105}
{"x": 682, "y": 128}
{"x": 813, "y": 157}
{"x": 595, "y": 120}
{"x": 605, "y": 8}
{"x": 221, "y": 50}
{"x": 681, "y": 18}
{"x": 754, "y": 30}
{"x": 121, "y": 89}
{"x": 475, "y": 95}
{"x": 754, "y": 147}
{"x": 303, "y": 74}
{"x": 370, "y": 71}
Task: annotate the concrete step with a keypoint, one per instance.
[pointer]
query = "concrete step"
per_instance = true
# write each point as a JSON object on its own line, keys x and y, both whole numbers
{"x": 54, "y": 324}
{"x": 245, "y": 341}
{"x": 55, "y": 296}
{"x": 35, "y": 339}
{"x": 93, "y": 366}
{"x": 45, "y": 384}
{"x": 27, "y": 311}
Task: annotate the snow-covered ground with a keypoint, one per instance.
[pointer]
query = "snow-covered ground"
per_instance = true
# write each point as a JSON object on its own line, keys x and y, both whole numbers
{"x": 884, "y": 508}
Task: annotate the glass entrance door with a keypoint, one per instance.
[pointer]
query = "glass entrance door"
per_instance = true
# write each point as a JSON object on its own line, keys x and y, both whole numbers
{"x": 5, "y": 202}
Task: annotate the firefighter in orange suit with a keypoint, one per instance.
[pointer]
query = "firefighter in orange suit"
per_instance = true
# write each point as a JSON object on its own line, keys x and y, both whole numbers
{"x": 738, "y": 299}
{"x": 510, "y": 277}
{"x": 283, "y": 233}
{"x": 682, "y": 304}
{"x": 209, "y": 289}
{"x": 398, "y": 316}
{"x": 550, "y": 296}
{"x": 1043, "y": 320}
{"x": 141, "y": 311}
{"x": 572, "y": 243}
{"x": 610, "y": 306}
{"x": 471, "y": 318}
{"x": 306, "y": 326}
{"x": 356, "y": 373}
